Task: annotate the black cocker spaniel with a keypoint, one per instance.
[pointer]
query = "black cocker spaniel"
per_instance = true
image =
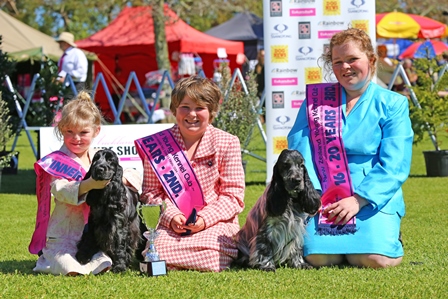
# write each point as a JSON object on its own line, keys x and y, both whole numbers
{"x": 113, "y": 226}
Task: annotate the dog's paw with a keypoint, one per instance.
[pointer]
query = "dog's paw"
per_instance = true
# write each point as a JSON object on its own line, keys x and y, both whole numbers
{"x": 118, "y": 268}
{"x": 298, "y": 262}
{"x": 305, "y": 265}
{"x": 302, "y": 265}
{"x": 267, "y": 267}
{"x": 82, "y": 259}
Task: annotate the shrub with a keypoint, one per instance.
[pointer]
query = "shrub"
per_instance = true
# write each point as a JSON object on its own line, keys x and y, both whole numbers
{"x": 7, "y": 67}
{"x": 40, "y": 113}
{"x": 6, "y": 132}
{"x": 432, "y": 115}
{"x": 237, "y": 114}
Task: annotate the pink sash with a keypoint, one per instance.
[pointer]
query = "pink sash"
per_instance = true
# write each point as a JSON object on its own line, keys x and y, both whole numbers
{"x": 173, "y": 170}
{"x": 324, "y": 102}
{"x": 56, "y": 164}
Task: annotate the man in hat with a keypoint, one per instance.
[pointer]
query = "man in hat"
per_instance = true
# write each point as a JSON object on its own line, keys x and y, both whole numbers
{"x": 73, "y": 62}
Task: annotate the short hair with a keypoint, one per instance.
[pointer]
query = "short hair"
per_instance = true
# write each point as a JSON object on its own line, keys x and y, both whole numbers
{"x": 77, "y": 113}
{"x": 202, "y": 91}
{"x": 360, "y": 37}
{"x": 445, "y": 55}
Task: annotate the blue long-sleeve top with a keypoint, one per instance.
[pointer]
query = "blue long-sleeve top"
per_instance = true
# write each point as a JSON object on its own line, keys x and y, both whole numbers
{"x": 377, "y": 136}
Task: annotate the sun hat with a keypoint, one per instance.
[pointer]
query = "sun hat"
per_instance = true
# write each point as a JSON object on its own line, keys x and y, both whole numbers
{"x": 68, "y": 38}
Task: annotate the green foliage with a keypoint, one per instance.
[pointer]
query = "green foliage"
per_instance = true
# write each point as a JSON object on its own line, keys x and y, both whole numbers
{"x": 7, "y": 67}
{"x": 51, "y": 91}
{"x": 87, "y": 17}
{"x": 81, "y": 18}
{"x": 433, "y": 114}
{"x": 6, "y": 125}
{"x": 6, "y": 132}
{"x": 205, "y": 14}
{"x": 434, "y": 9}
{"x": 237, "y": 114}
{"x": 40, "y": 113}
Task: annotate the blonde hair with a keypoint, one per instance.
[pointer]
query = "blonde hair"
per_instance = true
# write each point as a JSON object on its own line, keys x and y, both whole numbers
{"x": 202, "y": 91}
{"x": 360, "y": 37}
{"x": 79, "y": 112}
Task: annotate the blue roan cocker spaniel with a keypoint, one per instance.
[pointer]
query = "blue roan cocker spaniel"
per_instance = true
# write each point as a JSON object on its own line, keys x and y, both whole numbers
{"x": 273, "y": 233}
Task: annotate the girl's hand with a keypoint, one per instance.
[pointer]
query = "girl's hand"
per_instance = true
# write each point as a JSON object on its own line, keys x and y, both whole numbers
{"x": 125, "y": 182}
{"x": 179, "y": 227}
{"x": 196, "y": 227}
{"x": 342, "y": 211}
{"x": 177, "y": 224}
{"x": 128, "y": 184}
{"x": 93, "y": 184}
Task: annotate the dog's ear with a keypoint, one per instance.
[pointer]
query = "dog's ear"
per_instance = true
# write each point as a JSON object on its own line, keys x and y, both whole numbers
{"x": 88, "y": 175}
{"x": 94, "y": 159}
{"x": 276, "y": 197}
{"x": 119, "y": 172}
{"x": 313, "y": 196}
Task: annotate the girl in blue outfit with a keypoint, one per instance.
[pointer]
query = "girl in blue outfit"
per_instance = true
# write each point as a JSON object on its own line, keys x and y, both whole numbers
{"x": 377, "y": 137}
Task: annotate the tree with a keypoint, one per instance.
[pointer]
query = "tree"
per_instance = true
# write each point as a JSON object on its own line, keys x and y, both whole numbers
{"x": 204, "y": 14}
{"x": 434, "y": 9}
{"x": 201, "y": 14}
{"x": 161, "y": 45}
{"x": 54, "y": 16}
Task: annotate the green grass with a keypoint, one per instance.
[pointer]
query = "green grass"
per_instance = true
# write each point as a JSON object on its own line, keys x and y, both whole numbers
{"x": 423, "y": 273}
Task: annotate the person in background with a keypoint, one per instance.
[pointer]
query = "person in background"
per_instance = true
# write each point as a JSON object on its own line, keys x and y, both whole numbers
{"x": 410, "y": 71}
{"x": 259, "y": 71}
{"x": 201, "y": 238}
{"x": 55, "y": 238}
{"x": 259, "y": 77}
{"x": 73, "y": 62}
{"x": 376, "y": 139}
{"x": 443, "y": 58}
{"x": 386, "y": 68}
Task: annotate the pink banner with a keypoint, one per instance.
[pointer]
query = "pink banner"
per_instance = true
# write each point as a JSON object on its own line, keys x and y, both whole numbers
{"x": 57, "y": 164}
{"x": 324, "y": 104}
{"x": 173, "y": 170}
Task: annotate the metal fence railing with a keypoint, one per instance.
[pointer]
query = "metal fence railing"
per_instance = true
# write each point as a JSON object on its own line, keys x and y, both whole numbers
{"x": 24, "y": 105}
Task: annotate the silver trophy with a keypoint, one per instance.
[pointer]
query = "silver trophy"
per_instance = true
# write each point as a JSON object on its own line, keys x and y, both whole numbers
{"x": 150, "y": 214}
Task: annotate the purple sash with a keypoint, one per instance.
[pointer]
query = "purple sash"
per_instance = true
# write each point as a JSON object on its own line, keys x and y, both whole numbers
{"x": 56, "y": 164}
{"x": 324, "y": 104}
{"x": 173, "y": 170}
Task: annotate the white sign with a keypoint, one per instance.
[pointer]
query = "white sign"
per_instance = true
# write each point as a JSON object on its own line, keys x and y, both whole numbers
{"x": 119, "y": 138}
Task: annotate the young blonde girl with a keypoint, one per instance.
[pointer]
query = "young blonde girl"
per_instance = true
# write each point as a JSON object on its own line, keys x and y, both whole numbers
{"x": 56, "y": 236}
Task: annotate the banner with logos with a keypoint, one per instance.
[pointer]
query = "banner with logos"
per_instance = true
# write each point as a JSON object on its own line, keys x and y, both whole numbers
{"x": 119, "y": 138}
{"x": 296, "y": 33}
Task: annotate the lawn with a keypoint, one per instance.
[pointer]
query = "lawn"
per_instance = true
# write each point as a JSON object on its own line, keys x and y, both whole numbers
{"x": 423, "y": 273}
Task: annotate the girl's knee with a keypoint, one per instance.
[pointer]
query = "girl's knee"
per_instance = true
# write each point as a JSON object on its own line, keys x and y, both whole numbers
{"x": 375, "y": 261}
{"x": 322, "y": 260}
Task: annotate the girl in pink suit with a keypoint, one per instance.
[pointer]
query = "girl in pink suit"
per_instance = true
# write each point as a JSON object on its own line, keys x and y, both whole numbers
{"x": 215, "y": 156}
